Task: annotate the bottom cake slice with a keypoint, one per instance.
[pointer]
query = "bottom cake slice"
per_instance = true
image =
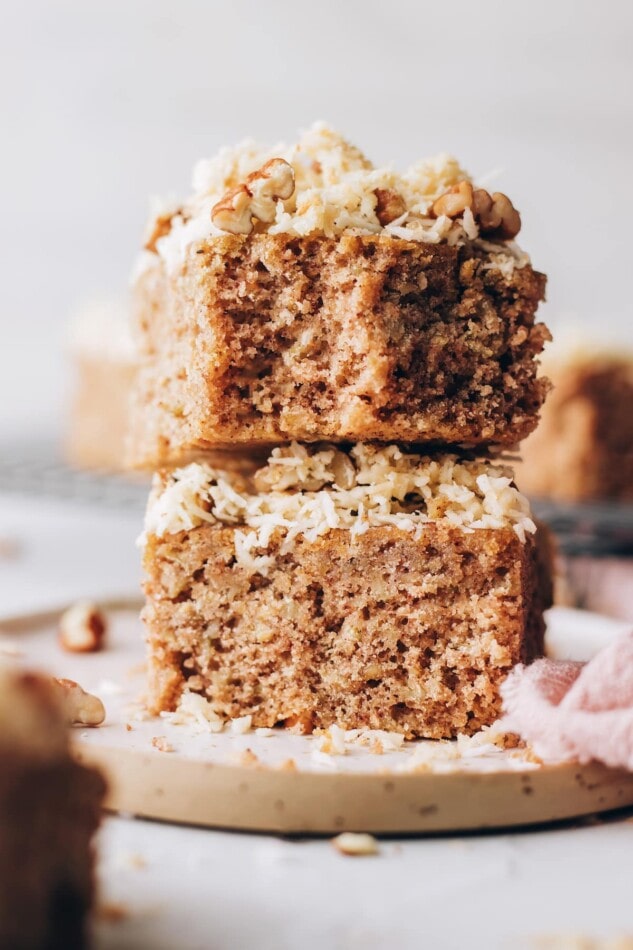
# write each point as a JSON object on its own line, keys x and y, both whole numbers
{"x": 371, "y": 589}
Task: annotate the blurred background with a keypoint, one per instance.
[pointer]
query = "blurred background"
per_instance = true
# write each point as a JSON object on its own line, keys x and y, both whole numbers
{"x": 105, "y": 104}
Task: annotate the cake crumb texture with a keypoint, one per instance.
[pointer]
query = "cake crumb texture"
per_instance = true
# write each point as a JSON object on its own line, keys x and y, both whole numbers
{"x": 384, "y": 631}
{"x": 267, "y": 338}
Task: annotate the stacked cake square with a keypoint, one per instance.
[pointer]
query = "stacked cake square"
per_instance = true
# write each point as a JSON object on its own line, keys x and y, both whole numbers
{"x": 333, "y": 355}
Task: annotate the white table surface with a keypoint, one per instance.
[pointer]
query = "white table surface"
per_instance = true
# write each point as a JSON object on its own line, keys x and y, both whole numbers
{"x": 59, "y": 552}
{"x": 189, "y": 888}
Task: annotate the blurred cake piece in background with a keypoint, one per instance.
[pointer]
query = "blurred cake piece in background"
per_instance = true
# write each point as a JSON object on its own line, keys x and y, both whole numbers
{"x": 104, "y": 365}
{"x": 583, "y": 447}
{"x": 601, "y": 584}
{"x": 49, "y": 811}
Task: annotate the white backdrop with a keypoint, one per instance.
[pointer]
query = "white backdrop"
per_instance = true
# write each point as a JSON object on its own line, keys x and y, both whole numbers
{"x": 104, "y": 103}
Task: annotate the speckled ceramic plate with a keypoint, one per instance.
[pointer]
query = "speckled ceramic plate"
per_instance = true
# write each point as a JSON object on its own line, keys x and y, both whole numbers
{"x": 280, "y": 782}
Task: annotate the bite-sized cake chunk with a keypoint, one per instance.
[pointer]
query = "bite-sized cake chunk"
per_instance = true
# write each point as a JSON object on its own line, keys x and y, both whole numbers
{"x": 583, "y": 448}
{"x": 369, "y": 589}
{"x": 49, "y": 810}
{"x": 321, "y": 313}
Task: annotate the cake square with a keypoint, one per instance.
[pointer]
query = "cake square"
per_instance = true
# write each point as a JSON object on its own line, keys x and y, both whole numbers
{"x": 368, "y": 589}
{"x": 104, "y": 366}
{"x": 333, "y": 319}
{"x": 583, "y": 448}
{"x": 49, "y": 811}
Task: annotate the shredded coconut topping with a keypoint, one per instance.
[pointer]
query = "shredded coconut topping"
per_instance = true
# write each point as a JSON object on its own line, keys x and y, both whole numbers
{"x": 306, "y": 491}
{"x": 338, "y": 741}
{"x": 197, "y": 713}
{"x": 335, "y": 191}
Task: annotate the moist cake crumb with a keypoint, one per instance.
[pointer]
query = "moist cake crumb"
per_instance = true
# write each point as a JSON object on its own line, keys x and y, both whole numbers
{"x": 383, "y": 631}
{"x": 263, "y": 339}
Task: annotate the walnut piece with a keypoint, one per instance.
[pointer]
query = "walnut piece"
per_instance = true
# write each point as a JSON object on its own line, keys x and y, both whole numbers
{"x": 389, "y": 205}
{"x": 355, "y": 845}
{"x": 82, "y": 708}
{"x": 82, "y": 628}
{"x": 255, "y": 198}
{"x": 455, "y": 201}
{"x": 495, "y": 214}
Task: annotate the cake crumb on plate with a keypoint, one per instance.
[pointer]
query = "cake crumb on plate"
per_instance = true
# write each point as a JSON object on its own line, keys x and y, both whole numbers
{"x": 355, "y": 845}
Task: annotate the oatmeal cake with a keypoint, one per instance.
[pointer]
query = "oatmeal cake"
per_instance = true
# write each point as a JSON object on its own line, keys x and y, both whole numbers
{"x": 302, "y": 293}
{"x": 583, "y": 448}
{"x": 104, "y": 360}
{"x": 371, "y": 588}
{"x": 49, "y": 811}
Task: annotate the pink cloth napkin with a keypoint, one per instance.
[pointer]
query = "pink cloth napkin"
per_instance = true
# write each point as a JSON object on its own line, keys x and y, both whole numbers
{"x": 578, "y": 711}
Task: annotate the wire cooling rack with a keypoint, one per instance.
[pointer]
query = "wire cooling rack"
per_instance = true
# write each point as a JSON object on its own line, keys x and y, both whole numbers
{"x": 38, "y": 469}
{"x": 595, "y": 528}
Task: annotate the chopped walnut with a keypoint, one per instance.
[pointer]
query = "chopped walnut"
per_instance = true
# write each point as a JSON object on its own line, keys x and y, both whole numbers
{"x": 82, "y": 708}
{"x": 233, "y": 213}
{"x": 82, "y": 628}
{"x": 509, "y": 218}
{"x": 494, "y": 214}
{"x": 255, "y": 198}
{"x": 355, "y": 845}
{"x": 454, "y": 201}
{"x": 389, "y": 205}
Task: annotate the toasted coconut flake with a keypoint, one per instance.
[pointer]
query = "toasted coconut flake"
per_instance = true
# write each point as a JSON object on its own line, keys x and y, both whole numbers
{"x": 297, "y": 493}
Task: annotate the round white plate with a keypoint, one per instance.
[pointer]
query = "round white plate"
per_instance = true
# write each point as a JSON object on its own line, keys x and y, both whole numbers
{"x": 281, "y": 782}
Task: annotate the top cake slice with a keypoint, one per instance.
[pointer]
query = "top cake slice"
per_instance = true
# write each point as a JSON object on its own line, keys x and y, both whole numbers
{"x": 303, "y": 294}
